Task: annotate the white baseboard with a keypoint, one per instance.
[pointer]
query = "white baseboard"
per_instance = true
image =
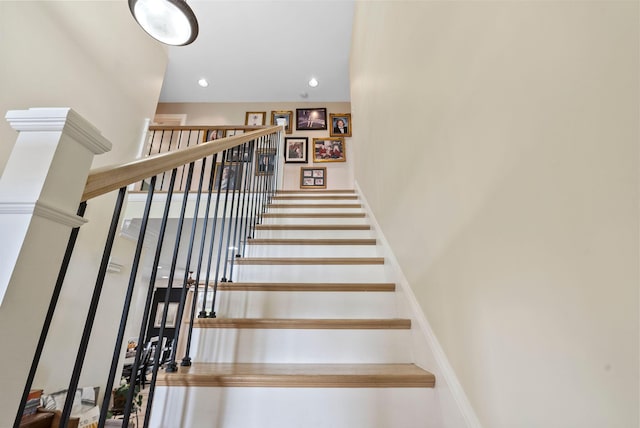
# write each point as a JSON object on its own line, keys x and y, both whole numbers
{"x": 455, "y": 406}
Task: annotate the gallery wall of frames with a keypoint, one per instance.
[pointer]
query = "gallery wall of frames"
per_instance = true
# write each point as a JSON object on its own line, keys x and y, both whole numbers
{"x": 316, "y": 142}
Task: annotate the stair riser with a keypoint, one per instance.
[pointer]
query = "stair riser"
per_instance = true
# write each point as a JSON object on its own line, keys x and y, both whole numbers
{"x": 311, "y": 209}
{"x": 224, "y": 345}
{"x": 295, "y": 407}
{"x": 345, "y": 234}
{"x": 317, "y": 273}
{"x": 316, "y": 201}
{"x": 315, "y": 220}
{"x": 282, "y": 304}
{"x": 312, "y": 251}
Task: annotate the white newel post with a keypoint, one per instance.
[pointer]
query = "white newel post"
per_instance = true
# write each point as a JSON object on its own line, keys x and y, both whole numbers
{"x": 40, "y": 191}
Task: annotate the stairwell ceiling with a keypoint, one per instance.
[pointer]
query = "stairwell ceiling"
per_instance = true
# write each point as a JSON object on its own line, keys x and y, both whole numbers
{"x": 264, "y": 51}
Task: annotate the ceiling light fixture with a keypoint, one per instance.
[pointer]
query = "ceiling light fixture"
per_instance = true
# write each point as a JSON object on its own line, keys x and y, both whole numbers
{"x": 169, "y": 21}
{"x": 203, "y": 82}
{"x": 313, "y": 82}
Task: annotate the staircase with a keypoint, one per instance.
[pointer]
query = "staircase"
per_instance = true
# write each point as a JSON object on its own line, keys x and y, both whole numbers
{"x": 307, "y": 335}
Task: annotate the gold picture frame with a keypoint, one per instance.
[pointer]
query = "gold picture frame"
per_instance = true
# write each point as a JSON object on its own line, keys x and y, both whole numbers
{"x": 339, "y": 129}
{"x": 255, "y": 118}
{"x": 313, "y": 177}
{"x": 329, "y": 149}
{"x": 283, "y": 114}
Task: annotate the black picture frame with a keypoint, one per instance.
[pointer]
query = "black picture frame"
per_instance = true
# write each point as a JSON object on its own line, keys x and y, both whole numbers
{"x": 311, "y": 119}
{"x": 296, "y": 150}
{"x": 265, "y": 162}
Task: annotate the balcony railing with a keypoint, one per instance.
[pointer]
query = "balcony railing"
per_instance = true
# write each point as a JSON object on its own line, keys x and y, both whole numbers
{"x": 213, "y": 189}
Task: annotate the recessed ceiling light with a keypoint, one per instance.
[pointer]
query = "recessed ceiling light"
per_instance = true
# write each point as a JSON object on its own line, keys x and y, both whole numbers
{"x": 313, "y": 82}
{"x": 203, "y": 82}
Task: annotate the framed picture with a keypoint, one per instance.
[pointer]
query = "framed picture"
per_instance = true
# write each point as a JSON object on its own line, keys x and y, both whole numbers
{"x": 265, "y": 162}
{"x": 238, "y": 154}
{"x": 172, "y": 315}
{"x": 310, "y": 119}
{"x": 282, "y": 118}
{"x": 340, "y": 124}
{"x": 255, "y": 118}
{"x": 329, "y": 150}
{"x": 295, "y": 149}
{"x": 231, "y": 177}
{"x": 232, "y": 132}
{"x": 213, "y": 134}
{"x": 313, "y": 178}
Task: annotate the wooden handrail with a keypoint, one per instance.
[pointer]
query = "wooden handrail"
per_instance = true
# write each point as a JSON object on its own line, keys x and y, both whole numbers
{"x": 106, "y": 179}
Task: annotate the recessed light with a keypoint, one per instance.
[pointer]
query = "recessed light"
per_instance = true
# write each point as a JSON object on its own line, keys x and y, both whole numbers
{"x": 313, "y": 82}
{"x": 203, "y": 82}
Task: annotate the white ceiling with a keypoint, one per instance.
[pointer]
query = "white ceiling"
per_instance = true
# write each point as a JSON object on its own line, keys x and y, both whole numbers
{"x": 264, "y": 51}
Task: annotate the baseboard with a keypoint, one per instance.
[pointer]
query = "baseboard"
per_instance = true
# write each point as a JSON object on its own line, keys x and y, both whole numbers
{"x": 446, "y": 380}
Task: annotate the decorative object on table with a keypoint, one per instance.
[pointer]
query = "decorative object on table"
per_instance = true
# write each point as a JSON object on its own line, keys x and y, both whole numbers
{"x": 340, "y": 124}
{"x": 311, "y": 119}
{"x": 255, "y": 118}
{"x": 313, "y": 178}
{"x": 296, "y": 149}
{"x": 286, "y": 116}
{"x": 329, "y": 149}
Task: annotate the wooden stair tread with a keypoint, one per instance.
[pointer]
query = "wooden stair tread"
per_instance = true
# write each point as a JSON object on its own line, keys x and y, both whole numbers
{"x": 299, "y": 375}
{"x": 305, "y": 323}
{"x": 318, "y": 191}
{"x": 313, "y": 227}
{"x": 310, "y": 261}
{"x": 307, "y": 241}
{"x": 314, "y": 215}
{"x": 285, "y": 286}
{"x": 315, "y": 205}
{"x": 316, "y": 197}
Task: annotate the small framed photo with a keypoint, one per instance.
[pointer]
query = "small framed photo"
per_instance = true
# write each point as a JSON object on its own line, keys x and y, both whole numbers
{"x": 239, "y": 154}
{"x": 295, "y": 149}
{"x": 282, "y": 118}
{"x": 255, "y": 118}
{"x": 313, "y": 178}
{"x": 265, "y": 162}
{"x": 213, "y": 134}
{"x": 340, "y": 124}
{"x": 231, "y": 178}
{"x": 311, "y": 119}
{"x": 329, "y": 150}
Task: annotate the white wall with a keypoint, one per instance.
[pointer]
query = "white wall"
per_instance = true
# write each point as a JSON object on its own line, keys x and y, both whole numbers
{"x": 339, "y": 174}
{"x": 500, "y": 157}
{"x": 92, "y": 57}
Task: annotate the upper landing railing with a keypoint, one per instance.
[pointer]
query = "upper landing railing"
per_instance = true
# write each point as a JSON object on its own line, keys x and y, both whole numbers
{"x": 230, "y": 178}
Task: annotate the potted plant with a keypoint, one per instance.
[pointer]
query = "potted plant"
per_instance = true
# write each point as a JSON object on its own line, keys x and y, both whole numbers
{"x": 120, "y": 394}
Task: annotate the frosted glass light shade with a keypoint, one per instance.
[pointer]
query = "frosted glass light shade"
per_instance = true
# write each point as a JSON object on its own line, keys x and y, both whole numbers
{"x": 169, "y": 21}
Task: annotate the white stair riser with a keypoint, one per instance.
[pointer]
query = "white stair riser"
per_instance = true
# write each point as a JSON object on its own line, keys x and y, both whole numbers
{"x": 312, "y": 201}
{"x": 301, "y": 234}
{"x": 225, "y": 345}
{"x": 311, "y": 209}
{"x": 312, "y": 251}
{"x": 312, "y": 273}
{"x": 304, "y": 304}
{"x": 180, "y": 407}
{"x": 314, "y": 220}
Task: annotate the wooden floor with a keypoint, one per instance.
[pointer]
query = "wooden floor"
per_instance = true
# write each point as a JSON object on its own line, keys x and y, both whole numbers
{"x": 299, "y": 375}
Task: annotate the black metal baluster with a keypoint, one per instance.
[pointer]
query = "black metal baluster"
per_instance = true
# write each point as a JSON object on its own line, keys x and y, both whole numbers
{"x": 171, "y": 365}
{"x": 93, "y": 306}
{"x": 212, "y": 314}
{"x": 49, "y": 316}
{"x": 239, "y": 212}
{"x": 147, "y": 305}
{"x": 231, "y": 212}
{"x": 247, "y": 201}
{"x": 203, "y": 312}
{"x": 127, "y": 305}
{"x": 174, "y": 260}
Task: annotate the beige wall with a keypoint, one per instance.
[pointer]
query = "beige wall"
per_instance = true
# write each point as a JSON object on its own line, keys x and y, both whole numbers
{"x": 500, "y": 157}
{"x": 339, "y": 174}
{"x": 92, "y": 57}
